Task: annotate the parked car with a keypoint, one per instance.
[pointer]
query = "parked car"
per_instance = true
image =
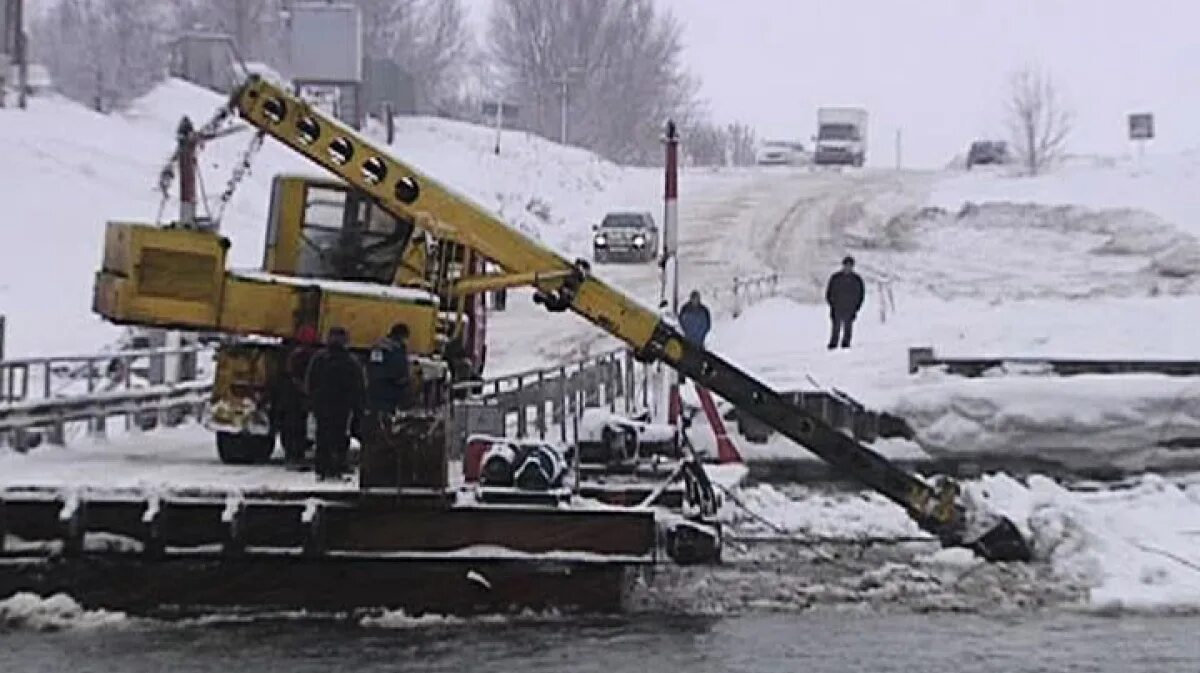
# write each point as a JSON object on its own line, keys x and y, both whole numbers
{"x": 625, "y": 237}
{"x": 780, "y": 153}
{"x": 987, "y": 152}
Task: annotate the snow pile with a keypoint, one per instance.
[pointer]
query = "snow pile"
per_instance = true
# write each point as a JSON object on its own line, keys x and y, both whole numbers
{"x": 1007, "y": 251}
{"x": 783, "y": 342}
{"x": 1163, "y": 185}
{"x": 764, "y": 509}
{"x": 58, "y": 612}
{"x": 1084, "y": 420}
{"x": 398, "y": 619}
{"x": 1133, "y": 549}
{"x": 108, "y": 167}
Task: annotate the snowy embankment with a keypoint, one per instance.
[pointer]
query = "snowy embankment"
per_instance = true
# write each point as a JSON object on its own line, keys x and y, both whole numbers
{"x": 1098, "y": 261}
{"x": 1026, "y": 276}
{"x": 68, "y": 170}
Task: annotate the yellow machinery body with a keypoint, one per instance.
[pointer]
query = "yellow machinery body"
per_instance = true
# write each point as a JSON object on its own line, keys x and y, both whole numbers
{"x": 331, "y": 258}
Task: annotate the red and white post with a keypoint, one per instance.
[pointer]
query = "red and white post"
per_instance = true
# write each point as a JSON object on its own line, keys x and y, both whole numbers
{"x": 669, "y": 299}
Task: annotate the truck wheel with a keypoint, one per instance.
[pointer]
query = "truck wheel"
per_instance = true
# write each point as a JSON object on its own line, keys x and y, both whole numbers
{"x": 242, "y": 449}
{"x": 599, "y": 257}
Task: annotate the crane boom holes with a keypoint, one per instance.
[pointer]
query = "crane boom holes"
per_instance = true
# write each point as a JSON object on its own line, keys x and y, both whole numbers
{"x": 374, "y": 170}
{"x": 341, "y": 150}
{"x": 274, "y": 110}
{"x": 407, "y": 189}
{"x": 309, "y": 130}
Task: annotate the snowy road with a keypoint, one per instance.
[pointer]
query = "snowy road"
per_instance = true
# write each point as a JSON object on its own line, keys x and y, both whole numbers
{"x": 732, "y": 224}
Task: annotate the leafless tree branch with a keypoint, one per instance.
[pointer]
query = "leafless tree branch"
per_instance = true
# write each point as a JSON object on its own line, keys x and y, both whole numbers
{"x": 1038, "y": 119}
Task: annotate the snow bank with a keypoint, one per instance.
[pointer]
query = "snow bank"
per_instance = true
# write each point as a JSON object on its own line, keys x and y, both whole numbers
{"x": 1133, "y": 549}
{"x": 784, "y": 343}
{"x": 399, "y": 619}
{"x": 1013, "y": 251}
{"x": 1163, "y": 185}
{"x": 1117, "y": 420}
{"x": 69, "y": 170}
{"x": 58, "y": 612}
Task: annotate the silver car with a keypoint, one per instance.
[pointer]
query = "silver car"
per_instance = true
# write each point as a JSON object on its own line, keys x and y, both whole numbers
{"x": 625, "y": 237}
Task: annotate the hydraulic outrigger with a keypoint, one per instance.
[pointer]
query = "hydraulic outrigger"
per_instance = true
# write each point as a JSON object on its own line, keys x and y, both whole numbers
{"x": 561, "y": 285}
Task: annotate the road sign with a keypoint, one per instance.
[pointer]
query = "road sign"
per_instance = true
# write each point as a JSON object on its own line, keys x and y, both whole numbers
{"x": 1141, "y": 126}
{"x": 505, "y": 110}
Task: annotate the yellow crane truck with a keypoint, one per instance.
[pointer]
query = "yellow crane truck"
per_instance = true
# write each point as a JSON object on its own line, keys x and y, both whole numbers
{"x": 177, "y": 278}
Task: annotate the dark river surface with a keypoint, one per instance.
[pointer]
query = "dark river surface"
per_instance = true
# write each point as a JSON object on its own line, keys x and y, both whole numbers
{"x": 813, "y": 641}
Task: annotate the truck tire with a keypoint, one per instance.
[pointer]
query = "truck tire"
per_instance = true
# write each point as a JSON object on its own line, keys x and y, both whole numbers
{"x": 600, "y": 257}
{"x": 244, "y": 449}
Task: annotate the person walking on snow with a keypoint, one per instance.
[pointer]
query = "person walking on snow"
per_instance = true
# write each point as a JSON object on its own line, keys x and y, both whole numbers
{"x": 844, "y": 294}
{"x": 694, "y": 319}
{"x": 336, "y": 386}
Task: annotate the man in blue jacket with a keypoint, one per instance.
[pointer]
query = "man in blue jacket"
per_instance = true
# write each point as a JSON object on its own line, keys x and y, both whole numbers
{"x": 388, "y": 384}
{"x": 694, "y": 319}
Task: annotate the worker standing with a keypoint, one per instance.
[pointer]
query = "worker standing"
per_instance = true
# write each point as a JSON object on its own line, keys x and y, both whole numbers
{"x": 336, "y": 385}
{"x": 694, "y": 319}
{"x": 844, "y": 294}
{"x": 388, "y": 385}
{"x": 293, "y": 398}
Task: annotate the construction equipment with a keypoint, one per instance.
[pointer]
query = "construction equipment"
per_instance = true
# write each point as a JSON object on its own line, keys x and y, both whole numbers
{"x": 560, "y": 285}
{"x": 332, "y": 257}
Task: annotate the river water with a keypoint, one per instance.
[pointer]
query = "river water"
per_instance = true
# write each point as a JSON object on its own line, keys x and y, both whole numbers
{"x": 812, "y": 641}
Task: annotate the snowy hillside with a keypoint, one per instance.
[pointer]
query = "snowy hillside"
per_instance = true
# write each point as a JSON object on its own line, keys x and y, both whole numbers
{"x": 67, "y": 170}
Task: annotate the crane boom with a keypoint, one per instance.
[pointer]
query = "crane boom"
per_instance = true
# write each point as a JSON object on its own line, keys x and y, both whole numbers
{"x": 564, "y": 285}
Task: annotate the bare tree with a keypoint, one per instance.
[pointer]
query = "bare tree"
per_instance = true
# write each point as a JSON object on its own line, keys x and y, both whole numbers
{"x": 616, "y": 61}
{"x": 104, "y": 52}
{"x": 1038, "y": 118}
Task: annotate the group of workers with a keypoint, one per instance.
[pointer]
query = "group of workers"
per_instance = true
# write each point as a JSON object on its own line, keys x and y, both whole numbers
{"x": 342, "y": 394}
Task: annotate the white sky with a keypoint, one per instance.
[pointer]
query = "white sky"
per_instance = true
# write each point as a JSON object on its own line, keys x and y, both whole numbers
{"x": 938, "y": 69}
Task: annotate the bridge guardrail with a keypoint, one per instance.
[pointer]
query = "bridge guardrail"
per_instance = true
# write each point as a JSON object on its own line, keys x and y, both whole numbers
{"x": 45, "y": 394}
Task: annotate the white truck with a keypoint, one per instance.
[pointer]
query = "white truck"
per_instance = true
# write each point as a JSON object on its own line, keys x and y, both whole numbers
{"x": 841, "y": 136}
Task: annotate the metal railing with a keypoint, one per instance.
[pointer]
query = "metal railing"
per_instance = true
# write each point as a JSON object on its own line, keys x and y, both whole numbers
{"x": 546, "y": 401}
{"x": 40, "y": 396}
{"x": 24, "y": 379}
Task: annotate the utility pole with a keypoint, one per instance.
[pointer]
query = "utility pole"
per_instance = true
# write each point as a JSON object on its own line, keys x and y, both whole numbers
{"x": 21, "y": 44}
{"x": 186, "y": 138}
{"x": 563, "y": 80}
{"x": 899, "y": 150}
{"x": 669, "y": 294}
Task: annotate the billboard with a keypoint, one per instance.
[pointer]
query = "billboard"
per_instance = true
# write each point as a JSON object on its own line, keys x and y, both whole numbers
{"x": 325, "y": 43}
{"x": 1141, "y": 126}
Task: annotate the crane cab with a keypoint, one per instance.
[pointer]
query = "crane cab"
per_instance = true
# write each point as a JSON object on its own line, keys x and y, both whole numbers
{"x": 322, "y": 228}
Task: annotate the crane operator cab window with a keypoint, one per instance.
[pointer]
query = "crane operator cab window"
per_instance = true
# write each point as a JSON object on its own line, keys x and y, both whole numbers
{"x": 346, "y": 236}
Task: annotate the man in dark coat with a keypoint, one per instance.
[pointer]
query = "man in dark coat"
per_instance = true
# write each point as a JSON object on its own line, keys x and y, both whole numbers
{"x": 694, "y": 319}
{"x": 293, "y": 399}
{"x": 336, "y": 387}
{"x": 844, "y": 294}
{"x": 388, "y": 385}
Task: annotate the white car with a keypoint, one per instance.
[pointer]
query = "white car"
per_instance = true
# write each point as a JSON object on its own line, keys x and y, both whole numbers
{"x": 780, "y": 153}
